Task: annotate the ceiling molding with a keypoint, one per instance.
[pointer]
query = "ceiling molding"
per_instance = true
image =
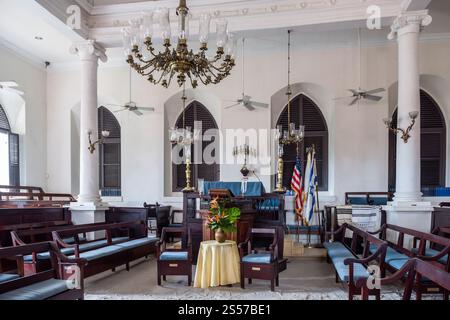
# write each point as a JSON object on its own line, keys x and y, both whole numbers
{"x": 107, "y": 21}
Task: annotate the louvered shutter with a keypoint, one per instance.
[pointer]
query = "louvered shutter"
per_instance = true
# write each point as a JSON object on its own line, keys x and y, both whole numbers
{"x": 432, "y": 145}
{"x": 110, "y": 154}
{"x": 4, "y": 123}
{"x": 195, "y": 112}
{"x": 14, "y": 160}
{"x": 305, "y": 112}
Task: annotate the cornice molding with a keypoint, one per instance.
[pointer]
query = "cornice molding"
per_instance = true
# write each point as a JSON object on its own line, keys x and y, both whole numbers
{"x": 106, "y": 22}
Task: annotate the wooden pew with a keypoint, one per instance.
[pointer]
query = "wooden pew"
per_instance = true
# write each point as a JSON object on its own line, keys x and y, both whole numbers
{"x": 48, "y": 285}
{"x": 24, "y": 196}
{"x": 414, "y": 268}
{"x": 348, "y": 266}
{"x": 397, "y": 255}
{"x": 123, "y": 244}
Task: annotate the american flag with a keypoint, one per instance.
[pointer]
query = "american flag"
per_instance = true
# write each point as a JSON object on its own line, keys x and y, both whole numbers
{"x": 297, "y": 187}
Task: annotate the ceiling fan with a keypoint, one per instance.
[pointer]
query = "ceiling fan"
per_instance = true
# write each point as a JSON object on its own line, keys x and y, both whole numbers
{"x": 246, "y": 101}
{"x": 131, "y": 105}
{"x": 9, "y": 86}
{"x": 361, "y": 94}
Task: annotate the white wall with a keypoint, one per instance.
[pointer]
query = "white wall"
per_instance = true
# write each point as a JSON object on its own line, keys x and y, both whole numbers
{"x": 359, "y": 140}
{"x": 27, "y": 116}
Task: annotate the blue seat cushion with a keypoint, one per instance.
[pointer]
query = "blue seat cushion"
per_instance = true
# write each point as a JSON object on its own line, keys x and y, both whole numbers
{"x": 257, "y": 258}
{"x": 136, "y": 243}
{"x": 336, "y": 249}
{"x": 99, "y": 253}
{"x": 378, "y": 201}
{"x": 393, "y": 258}
{"x": 358, "y": 200}
{"x": 83, "y": 247}
{"x": 337, "y": 253}
{"x": 4, "y": 277}
{"x": 431, "y": 253}
{"x": 71, "y": 240}
{"x": 37, "y": 291}
{"x": 174, "y": 256}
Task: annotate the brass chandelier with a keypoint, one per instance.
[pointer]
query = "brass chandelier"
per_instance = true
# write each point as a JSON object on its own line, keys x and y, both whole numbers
{"x": 180, "y": 61}
{"x": 289, "y": 136}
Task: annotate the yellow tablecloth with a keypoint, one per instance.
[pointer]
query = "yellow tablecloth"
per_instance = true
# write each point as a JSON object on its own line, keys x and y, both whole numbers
{"x": 217, "y": 264}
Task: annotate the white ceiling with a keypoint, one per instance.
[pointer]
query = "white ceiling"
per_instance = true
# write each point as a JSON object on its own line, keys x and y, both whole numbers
{"x": 21, "y": 21}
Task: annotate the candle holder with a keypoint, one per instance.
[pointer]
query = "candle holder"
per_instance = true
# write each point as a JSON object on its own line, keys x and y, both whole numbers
{"x": 91, "y": 147}
{"x": 405, "y": 132}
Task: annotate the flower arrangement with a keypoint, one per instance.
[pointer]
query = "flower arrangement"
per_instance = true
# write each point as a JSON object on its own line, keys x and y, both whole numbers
{"x": 221, "y": 217}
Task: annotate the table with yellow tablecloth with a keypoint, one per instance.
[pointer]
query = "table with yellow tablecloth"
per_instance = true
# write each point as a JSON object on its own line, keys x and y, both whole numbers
{"x": 217, "y": 264}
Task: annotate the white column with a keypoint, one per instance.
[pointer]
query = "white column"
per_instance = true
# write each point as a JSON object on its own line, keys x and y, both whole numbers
{"x": 89, "y": 207}
{"x": 408, "y": 209}
{"x": 407, "y": 27}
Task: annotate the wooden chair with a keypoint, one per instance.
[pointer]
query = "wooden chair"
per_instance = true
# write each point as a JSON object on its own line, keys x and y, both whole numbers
{"x": 265, "y": 265}
{"x": 172, "y": 262}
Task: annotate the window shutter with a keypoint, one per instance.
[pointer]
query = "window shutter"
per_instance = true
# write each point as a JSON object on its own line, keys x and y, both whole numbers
{"x": 14, "y": 160}
{"x": 432, "y": 145}
{"x": 110, "y": 153}
{"x": 4, "y": 123}
{"x": 195, "y": 112}
{"x": 305, "y": 112}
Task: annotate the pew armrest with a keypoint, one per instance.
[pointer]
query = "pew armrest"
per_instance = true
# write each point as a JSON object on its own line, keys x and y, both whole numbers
{"x": 437, "y": 257}
{"x": 61, "y": 244}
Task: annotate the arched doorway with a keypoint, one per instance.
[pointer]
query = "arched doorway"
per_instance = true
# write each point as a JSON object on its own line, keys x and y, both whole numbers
{"x": 9, "y": 146}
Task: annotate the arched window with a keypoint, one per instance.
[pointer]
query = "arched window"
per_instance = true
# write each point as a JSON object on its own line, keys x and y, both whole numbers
{"x": 110, "y": 156}
{"x": 305, "y": 112}
{"x": 196, "y": 112}
{"x": 9, "y": 145}
{"x": 432, "y": 145}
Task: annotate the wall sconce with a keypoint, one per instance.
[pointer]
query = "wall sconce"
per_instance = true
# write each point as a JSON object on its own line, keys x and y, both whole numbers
{"x": 105, "y": 134}
{"x": 405, "y": 133}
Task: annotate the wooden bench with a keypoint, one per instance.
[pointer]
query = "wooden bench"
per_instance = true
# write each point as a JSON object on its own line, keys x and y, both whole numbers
{"x": 47, "y": 285}
{"x": 397, "y": 254}
{"x": 348, "y": 266}
{"x": 121, "y": 246}
{"x": 412, "y": 269}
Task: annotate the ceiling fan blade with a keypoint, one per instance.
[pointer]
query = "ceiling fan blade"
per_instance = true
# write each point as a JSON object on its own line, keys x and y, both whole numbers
{"x": 373, "y": 98}
{"x": 234, "y": 105}
{"x": 8, "y": 89}
{"x": 117, "y": 111}
{"x": 9, "y": 84}
{"x": 138, "y": 113}
{"x": 249, "y": 107}
{"x": 355, "y": 92}
{"x": 114, "y": 105}
{"x": 146, "y": 109}
{"x": 259, "y": 104}
{"x": 375, "y": 91}
{"x": 354, "y": 101}
{"x": 341, "y": 98}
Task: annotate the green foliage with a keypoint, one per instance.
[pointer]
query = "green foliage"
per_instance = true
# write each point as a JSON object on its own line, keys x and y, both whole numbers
{"x": 221, "y": 217}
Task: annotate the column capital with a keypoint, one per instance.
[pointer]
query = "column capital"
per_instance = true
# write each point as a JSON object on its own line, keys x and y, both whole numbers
{"x": 89, "y": 50}
{"x": 413, "y": 20}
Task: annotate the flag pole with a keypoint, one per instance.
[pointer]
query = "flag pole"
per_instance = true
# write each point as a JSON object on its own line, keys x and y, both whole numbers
{"x": 297, "y": 214}
{"x": 317, "y": 198}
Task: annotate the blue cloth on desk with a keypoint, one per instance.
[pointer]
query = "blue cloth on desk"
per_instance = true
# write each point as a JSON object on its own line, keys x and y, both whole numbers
{"x": 254, "y": 189}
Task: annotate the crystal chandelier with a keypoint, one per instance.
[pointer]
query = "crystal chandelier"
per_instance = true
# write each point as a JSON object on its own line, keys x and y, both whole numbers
{"x": 289, "y": 136}
{"x": 184, "y": 137}
{"x": 180, "y": 61}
